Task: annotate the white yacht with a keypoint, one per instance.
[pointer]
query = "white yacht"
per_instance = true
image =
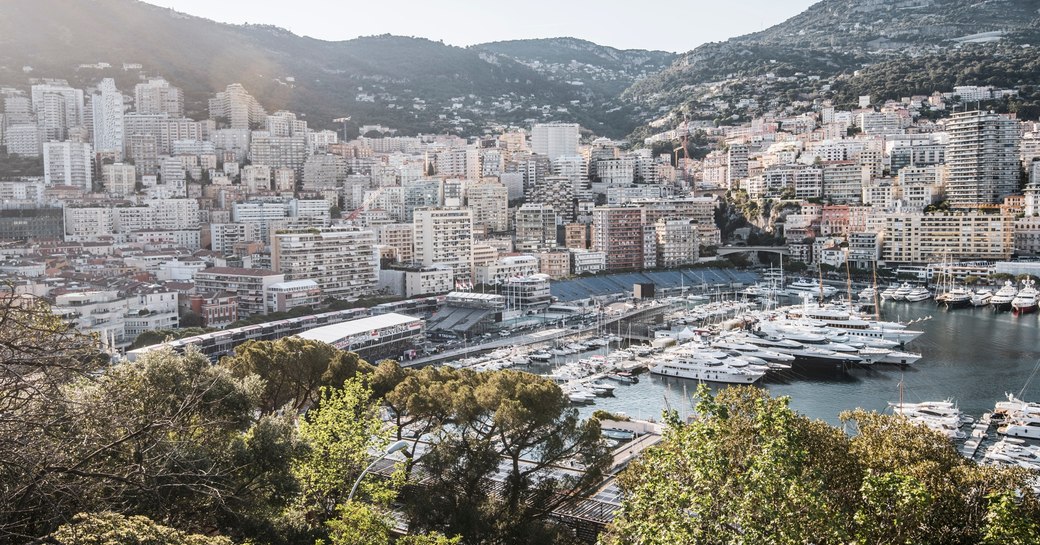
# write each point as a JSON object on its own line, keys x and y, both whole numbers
{"x": 871, "y": 355}
{"x": 839, "y": 319}
{"x": 808, "y": 286}
{"x": 981, "y": 298}
{"x": 1002, "y": 299}
{"x": 1025, "y": 301}
{"x": 868, "y": 294}
{"x": 1014, "y": 452}
{"x": 918, "y": 294}
{"x": 751, "y": 350}
{"x": 803, "y": 353}
{"x": 889, "y": 293}
{"x": 901, "y": 292}
{"x": 1014, "y": 408}
{"x": 957, "y": 297}
{"x": 707, "y": 369}
{"x": 1027, "y": 427}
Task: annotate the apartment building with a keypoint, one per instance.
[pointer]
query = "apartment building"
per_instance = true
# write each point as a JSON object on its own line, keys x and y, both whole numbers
{"x": 444, "y": 236}
{"x": 619, "y": 233}
{"x": 248, "y": 285}
{"x": 342, "y": 260}
{"x": 918, "y": 237}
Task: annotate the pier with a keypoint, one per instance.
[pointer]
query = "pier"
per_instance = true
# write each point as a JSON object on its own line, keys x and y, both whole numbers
{"x": 537, "y": 337}
{"x": 979, "y": 432}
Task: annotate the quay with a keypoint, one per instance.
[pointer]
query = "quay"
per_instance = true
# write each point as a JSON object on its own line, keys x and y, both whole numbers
{"x": 537, "y": 337}
{"x": 979, "y": 432}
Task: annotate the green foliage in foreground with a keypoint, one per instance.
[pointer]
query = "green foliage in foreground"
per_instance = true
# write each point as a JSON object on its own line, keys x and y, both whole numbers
{"x": 751, "y": 470}
{"x": 113, "y": 528}
{"x": 156, "y": 336}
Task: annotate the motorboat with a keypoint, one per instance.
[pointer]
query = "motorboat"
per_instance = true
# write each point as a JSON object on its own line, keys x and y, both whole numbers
{"x": 1004, "y": 296}
{"x": 623, "y": 377}
{"x": 808, "y": 286}
{"x": 901, "y": 292}
{"x": 868, "y": 294}
{"x": 918, "y": 294}
{"x": 872, "y": 355}
{"x": 1014, "y": 408}
{"x": 1027, "y": 427}
{"x": 751, "y": 350}
{"x": 981, "y": 298}
{"x": 889, "y": 293}
{"x": 705, "y": 369}
{"x": 1025, "y": 301}
{"x": 1016, "y": 452}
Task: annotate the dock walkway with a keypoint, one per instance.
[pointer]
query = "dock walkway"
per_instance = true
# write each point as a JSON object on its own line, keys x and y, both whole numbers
{"x": 979, "y": 432}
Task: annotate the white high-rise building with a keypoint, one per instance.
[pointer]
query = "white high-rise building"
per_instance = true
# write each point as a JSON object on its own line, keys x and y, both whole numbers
{"x": 342, "y": 261}
{"x": 58, "y": 108}
{"x": 69, "y": 164}
{"x": 119, "y": 179}
{"x": 490, "y": 204}
{"x": 444, "y": 236}
{"x": 237, "y": 106}
{"x": 23, "y": 140}
{"x": 108, "y": 118}
{"x": 981, "y": 158}
{"x": 158, "y": 97}
{"x": 555, "y": 139}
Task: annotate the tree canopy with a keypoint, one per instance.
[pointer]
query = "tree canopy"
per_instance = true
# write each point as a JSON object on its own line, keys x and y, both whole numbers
{"x": 748, "y": 469}
{"x": 474, "y": 426}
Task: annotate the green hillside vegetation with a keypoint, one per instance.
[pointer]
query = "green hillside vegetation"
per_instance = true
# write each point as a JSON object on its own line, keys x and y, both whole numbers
{"x": 603, "y": 71}
{"x": 886, "y": 48}
{"x": 320, "y": 80}
{"x": 1005, "y": 67}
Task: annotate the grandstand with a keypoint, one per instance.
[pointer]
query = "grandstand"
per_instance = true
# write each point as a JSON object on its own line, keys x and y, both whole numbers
{"x": 597, "y": 286}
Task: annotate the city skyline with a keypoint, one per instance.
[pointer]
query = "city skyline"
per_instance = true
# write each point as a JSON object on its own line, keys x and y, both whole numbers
{"x": 611, "y": 23}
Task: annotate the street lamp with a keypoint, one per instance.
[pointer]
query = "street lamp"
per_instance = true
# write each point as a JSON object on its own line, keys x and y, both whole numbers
{"x": 396, "y": 447}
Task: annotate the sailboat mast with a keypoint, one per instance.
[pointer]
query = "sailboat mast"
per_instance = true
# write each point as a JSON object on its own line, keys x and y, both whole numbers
{"x": 819, "y": 268}
{"x": 848, "y": 277}
{"x": 877, "y": 302}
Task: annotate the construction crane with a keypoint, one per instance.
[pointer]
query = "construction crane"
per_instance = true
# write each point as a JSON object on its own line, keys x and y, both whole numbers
{"x": 343, "y": 120}
{"x": 686, "y": 155}
{"x": 372, "y": 197}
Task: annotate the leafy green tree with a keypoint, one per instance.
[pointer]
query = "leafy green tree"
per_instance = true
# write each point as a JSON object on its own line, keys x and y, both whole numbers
{"x": 293, "y": 369}
{"x": 751, "y": 470}
{"x": 916, "y": 474}
{"x": 362, "y": 524}
{"x": 112, "y": 528}
{"x": 479, "y": 422}
{"x": 748, "y": 470}
{"x": 340, "y": 432}
{"x": 156, "y": 336}
{"x": 170, "y": 437}
{"x": 40, "y": 355}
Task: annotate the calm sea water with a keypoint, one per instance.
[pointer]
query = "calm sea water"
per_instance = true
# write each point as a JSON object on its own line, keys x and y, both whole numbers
{"x": 972, "y": 355}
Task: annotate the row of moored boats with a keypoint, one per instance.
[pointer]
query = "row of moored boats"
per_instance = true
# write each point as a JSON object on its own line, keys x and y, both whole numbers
{"x": 1008, "y": 297}
{"x": 809, "y": 335}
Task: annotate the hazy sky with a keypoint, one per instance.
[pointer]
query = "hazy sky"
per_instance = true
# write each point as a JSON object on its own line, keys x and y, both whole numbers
{"x": 671, "y": 25}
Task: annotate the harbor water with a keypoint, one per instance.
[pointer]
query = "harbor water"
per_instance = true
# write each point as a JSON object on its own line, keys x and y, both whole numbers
{"x": 972, "y": 355}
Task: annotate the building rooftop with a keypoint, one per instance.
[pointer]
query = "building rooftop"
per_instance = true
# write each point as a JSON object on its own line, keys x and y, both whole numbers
{"x": 239, "y": 271}
{"x": 293, "y": 284}
{"x": 333, "y": 333}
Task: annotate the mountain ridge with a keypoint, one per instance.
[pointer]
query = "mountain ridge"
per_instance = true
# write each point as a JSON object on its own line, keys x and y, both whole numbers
{"x": 413, "y": 84}
{"x": 797, "y": 59}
